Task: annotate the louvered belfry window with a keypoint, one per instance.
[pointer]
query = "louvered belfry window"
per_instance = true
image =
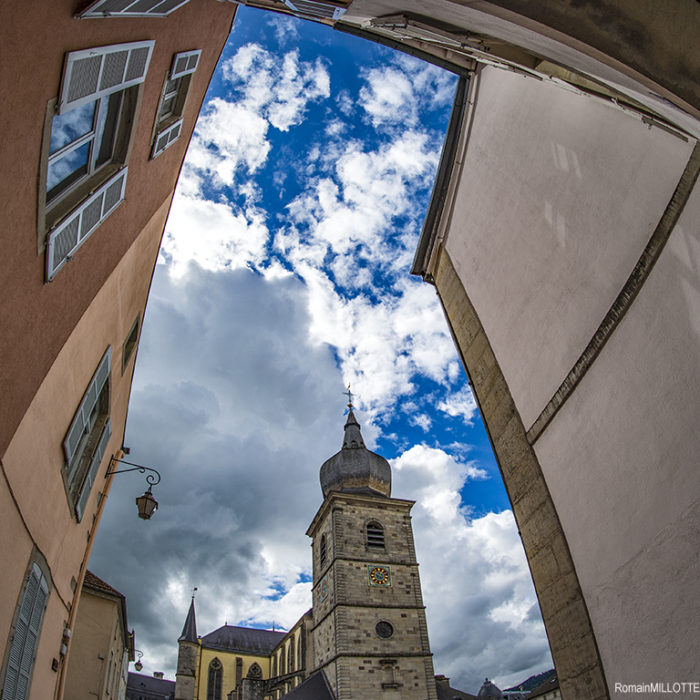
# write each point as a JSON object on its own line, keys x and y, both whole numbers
{"x": 172, "y": 102}
{"x": 131, "y": 8}
{"x": 86, "y": 441}
{"x": 375, "y": 534}
{"x": 26, "y": 635}
{"x": 322, "y": 550}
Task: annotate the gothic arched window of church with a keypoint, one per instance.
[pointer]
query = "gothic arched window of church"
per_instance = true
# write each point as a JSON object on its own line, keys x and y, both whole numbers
{"x": 322, "y": 550}
{"x": 283, "y": 669}
{"x": 300, "y": 655}
{"x": 291, "y": 656}
{"x": 274, "y": 666}
{"x": 255, "y": 671}
{"x": 375, "y": 534}
{"x": 214, "y": 680}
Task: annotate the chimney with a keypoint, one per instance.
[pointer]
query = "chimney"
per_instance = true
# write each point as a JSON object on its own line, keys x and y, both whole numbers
{"x": 441, "y": 680}
{"x": 158, "y": 674}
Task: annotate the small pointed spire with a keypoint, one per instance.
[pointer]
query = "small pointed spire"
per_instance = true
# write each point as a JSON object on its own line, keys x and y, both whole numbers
{"x": 189, "y": 630}
{"x": 353, "y": 436}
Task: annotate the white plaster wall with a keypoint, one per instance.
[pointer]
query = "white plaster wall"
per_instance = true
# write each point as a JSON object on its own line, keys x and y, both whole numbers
{"x": 621, "y": 462}
{"x": 558, "y": 196}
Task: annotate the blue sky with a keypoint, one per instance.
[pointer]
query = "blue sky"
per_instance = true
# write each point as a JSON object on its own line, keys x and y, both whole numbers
{"x": 284, "y": 276}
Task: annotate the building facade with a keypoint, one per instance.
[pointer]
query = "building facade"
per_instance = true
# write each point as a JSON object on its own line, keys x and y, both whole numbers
{"x": 97, "y": 114}
{"x": 102, "y": 644}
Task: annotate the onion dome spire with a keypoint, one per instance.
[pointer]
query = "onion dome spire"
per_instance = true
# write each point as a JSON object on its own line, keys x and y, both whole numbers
{"x": 355, "y": 469}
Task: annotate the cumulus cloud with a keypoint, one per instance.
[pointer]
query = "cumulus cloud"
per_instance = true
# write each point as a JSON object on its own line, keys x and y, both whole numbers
{"x": 215, "y": 235}
{"x": 459, "y": 403}
{"x": 225, "y": 404}
{"x": 395, "y": 94}
{"x": 482, "y": 612}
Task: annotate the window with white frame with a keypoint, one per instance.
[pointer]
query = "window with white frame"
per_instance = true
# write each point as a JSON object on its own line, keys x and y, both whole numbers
{"x": 22, "y": 646}
{"x": 86, "y": 441}
{"x": 86, "y": 140}
{"x": 131, "y": 8}
{"x": 172, "y": 101}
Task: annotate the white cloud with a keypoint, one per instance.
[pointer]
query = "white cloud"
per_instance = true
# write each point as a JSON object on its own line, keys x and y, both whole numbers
{"x": 213, "y": 235}
{"x": 279, "y": 95}
{"x": 480, "y": 602}
{"x": 422, "y": 421}
{"x": 388, "y": 97}
{"x": 460, "y": 403}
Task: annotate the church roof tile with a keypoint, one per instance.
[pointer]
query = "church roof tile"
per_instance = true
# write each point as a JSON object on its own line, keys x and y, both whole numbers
{"x": 230, "y": 638}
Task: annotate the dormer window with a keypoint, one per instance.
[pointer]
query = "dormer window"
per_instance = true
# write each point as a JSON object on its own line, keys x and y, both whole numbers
{"x": 375, "y": 535}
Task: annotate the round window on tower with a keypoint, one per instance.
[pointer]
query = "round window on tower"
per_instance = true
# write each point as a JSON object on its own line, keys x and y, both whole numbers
{"x": 384, "y": 629}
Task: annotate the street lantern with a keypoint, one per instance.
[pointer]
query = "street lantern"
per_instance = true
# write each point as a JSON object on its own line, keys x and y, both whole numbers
{"x": 146, "y": 503}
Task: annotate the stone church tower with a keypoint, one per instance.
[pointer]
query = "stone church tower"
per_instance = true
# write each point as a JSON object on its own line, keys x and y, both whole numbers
{"x": 370, "y": 636}
{"x": 188, "y": 652}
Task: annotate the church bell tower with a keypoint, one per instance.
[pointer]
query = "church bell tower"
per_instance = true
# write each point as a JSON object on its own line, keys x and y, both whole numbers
{"x": 370, "y": 636}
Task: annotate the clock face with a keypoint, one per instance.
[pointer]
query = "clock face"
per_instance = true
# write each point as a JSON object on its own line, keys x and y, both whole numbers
{"x": 324, "y": 587}
{"x": 379, "y": 576}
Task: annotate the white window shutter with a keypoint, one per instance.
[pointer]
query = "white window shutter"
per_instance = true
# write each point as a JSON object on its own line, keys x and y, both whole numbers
{"x": 74, "y": 230}
{"x": 131, "y": 8}
{"x": 82, "y": 415}
{"x": 92, "y": 471}
{"x": 92, "y": 73}
{"x": 21, "y": 657}
{"x": 184, "y": 63}
{"x": 165, "y": 138}
{"x": 316, "y": 10}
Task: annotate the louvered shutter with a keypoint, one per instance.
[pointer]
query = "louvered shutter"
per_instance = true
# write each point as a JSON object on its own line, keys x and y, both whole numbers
{"x": 184, "y": 63}
{"x": 317, "y": 10}
{"x": 74, "y": 230}
{"x": 82, "y": 415}
{"x": 131, "y": 8}
{"x": 98, "y": 72}
{"x": 92, "y": 471}
{"x": 165, "y": 138}
{"x": 21, "y": 657}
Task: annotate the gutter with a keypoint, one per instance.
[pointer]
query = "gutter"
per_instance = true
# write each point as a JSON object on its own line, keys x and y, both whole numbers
{"x": 442, "y": 181}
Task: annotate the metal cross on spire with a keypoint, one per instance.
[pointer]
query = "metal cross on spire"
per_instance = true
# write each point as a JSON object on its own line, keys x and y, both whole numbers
{"x": 349, "y": 394}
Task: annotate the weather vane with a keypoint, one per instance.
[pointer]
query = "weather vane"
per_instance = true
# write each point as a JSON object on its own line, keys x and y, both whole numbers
{"x": 349, "y": 394}
{"x": 194, "y": 590}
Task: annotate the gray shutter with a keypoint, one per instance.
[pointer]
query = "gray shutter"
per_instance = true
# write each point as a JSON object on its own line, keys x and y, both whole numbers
{"x": 165, "y": 138}
{"x": 131, "y": 8}
{"x": 82, "y": 415}
{"x": 92, "y": 471}
{"x": 92, "y": 73}
{"x": 316, "y": 10}
{"x": 21, "y": 657}
{"x": 184, "y": 63}
{"x": 74, "y": 230}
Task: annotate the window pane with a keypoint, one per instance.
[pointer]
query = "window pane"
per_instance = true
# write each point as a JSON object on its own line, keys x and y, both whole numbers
{"x": 66, "y": 128}
{"x": 107, "y": 129}
{"x": 66, "y": 170}
{"x": 172, "y": 86}
{"x": 168, "y": 105}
